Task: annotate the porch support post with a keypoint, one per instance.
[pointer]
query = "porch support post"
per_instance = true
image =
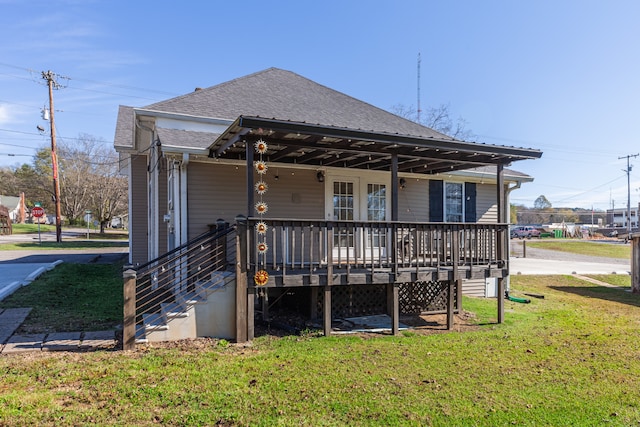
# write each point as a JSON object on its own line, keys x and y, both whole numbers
{"x": 501, "y": 237}
{"x": 394, "y": 307}
{"x": 394, "y": 187}
{"x": 251, "y": 296}
{"x": 242, "y": 295}
{"x": 250, "y": 201}
{"x": 455, "y": 282}
{"x": 326, "y": 305}
{"x": 129, "y": 324}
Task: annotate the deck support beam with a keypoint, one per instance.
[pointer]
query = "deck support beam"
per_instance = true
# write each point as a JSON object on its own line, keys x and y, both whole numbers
{"x": 242, "y": 293}
{"x": 501, "y": 238}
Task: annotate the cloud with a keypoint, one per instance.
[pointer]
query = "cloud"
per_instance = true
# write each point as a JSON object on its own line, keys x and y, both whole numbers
{"x": 5, "y": 116}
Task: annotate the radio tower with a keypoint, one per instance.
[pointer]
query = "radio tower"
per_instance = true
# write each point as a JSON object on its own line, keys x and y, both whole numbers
{"x": 419, "y": 110}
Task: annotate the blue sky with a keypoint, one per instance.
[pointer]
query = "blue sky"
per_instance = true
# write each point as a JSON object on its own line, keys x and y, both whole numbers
{"x": 559, "y": 76}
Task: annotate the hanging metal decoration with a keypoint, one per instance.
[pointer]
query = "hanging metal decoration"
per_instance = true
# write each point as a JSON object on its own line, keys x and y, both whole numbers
{"x": 261, "y": 277}
{"x": 261, "y": 227}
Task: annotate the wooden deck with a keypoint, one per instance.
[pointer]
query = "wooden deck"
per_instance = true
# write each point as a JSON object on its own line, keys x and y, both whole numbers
{"x": 316, "y": 253}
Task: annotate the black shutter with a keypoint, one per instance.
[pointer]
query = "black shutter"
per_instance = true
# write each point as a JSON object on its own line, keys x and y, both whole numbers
{"x": 436, "y": 200}
{"x": 470, "y": 202}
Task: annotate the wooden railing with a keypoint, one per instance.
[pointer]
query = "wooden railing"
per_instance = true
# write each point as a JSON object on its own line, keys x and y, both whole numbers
{"x": 319, "y": 247}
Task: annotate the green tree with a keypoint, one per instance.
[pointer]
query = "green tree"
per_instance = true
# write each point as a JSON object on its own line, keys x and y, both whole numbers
{"x": 542, "y": 203}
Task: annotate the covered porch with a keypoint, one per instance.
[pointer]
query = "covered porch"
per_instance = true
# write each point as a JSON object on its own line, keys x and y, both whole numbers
{"x": 351, "y": 251}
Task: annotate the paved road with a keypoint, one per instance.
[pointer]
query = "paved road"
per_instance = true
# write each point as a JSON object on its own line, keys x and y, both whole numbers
{"x": 21, "y": 267}
{"x": 544, "y": 261}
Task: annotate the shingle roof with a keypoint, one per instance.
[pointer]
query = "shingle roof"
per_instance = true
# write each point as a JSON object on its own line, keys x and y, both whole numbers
{"x": 124, "y": 128}
{"x": 284, "y": 95}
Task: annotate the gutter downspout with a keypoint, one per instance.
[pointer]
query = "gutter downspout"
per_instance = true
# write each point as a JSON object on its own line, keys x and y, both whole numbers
{"x": 183, "y": 199}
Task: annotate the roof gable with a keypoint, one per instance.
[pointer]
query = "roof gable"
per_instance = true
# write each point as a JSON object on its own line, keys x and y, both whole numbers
{"x": 284, "y": 95}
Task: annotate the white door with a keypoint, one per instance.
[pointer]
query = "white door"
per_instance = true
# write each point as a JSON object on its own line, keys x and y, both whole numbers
{"x": 343, "y": 205}
{"x": 357, "y": 199}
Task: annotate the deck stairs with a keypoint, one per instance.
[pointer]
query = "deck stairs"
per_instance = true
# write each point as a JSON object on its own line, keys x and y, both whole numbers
{"x": 189, "y": 292}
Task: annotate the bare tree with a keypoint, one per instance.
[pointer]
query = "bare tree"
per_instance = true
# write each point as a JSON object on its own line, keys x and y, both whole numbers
{"x": 91, "y": 180}
{"x": 436, "y": 118}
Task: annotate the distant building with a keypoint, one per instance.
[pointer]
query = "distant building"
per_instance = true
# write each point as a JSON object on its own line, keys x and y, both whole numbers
{"x": 619, "y": 217}
{"x": 15, "y": 206}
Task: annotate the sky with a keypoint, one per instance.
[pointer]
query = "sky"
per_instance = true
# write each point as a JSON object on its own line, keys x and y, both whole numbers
{"x": 559, "y": 76}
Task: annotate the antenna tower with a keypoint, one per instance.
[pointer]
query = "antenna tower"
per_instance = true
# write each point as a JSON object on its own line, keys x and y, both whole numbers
{"x": 419, "y": 110}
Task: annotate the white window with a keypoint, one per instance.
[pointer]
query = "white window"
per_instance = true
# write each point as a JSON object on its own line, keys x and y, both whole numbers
{"x": 453, "y": 202}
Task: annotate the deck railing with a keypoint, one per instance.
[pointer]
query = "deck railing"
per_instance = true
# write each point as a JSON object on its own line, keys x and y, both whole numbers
{"x": 301, "y": 246}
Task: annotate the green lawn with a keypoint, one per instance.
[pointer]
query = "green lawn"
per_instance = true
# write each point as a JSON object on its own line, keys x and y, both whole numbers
{"x": 31, "y": 228}
{"x": 570, "y": 359}
{"x": 71, "y": 297}
{"x": 65, "y": 244}
{"x": 583, "y": 247}
{"x": 623, "y": 280}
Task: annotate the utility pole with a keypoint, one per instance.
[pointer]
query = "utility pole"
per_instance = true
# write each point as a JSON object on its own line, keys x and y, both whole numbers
{"x": 628, "y": 171}
{"x": 50, "y": 77}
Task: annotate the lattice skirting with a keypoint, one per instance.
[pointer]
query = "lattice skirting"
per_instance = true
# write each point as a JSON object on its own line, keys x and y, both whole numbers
{"x": 365, "y": 300}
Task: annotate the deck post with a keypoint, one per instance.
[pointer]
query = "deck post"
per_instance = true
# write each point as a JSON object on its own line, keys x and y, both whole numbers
{"x": 326, "y": 305}
{"x": 129, "y": 324}
{"x": 635, "y": 263}
{"x": 251, "y": 297}
{"x": 501, "y": 237}
{"x": 455, "y": 282}
{"x": 241, "y": 280}
{"x": 395, "y": 308}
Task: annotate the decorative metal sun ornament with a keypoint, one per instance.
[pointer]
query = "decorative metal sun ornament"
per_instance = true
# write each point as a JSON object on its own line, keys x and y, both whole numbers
{"x": 261, "y": 227}
{"x": 261, "y": 187}
{"x": 261, "y": 208}
{"x": 261, "y": 167}
{"x": 261, "y": 146}
{"x": 263, "y": 247}
{"x": 261, "y": 277}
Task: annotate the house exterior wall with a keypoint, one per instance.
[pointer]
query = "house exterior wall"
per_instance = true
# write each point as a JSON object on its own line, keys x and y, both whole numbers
{"x": 138, "y": 208}
{"x": 413, "y": 201}
{"x": 218, "y": 191}
{"x": 214, "y": 192}
{"x": 486, "y": 204}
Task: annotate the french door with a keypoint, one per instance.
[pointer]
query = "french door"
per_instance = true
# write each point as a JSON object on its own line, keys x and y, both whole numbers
{"x": 357, "y": 199}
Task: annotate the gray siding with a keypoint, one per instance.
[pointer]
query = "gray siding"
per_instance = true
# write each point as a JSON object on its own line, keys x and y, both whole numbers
{"x": 413, "y": 201}
{"x": 474, "y": 288}
{"x": 138, "y": 211}
{"x": 486, "y": 204}
{"x": 214, "y": 192}
{"x": 219, "y": 192}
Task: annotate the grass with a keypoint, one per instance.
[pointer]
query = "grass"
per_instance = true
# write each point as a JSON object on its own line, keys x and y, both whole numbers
{"x": 31, "y": 228}
{"x": 72, "y": 297}
{"x": 65, "y": 244}
{"x": 607, "y": 250}
{"x": 622, "y": 280}
{"x": 568, "y": 359}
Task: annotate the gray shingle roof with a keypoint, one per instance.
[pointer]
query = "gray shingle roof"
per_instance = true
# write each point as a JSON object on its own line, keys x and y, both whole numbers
{"x": 284, "y": 95}
{"x": 124, "y": 128}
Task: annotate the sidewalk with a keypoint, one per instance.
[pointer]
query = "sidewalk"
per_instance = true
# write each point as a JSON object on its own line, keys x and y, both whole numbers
{"x": 12, "y": 318}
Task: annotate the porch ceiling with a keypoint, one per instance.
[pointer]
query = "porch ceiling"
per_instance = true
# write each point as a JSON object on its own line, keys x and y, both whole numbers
{"x": 324, "y": 146}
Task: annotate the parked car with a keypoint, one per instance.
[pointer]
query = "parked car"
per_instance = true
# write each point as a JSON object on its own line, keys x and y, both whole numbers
{"x": 525, "y": 231}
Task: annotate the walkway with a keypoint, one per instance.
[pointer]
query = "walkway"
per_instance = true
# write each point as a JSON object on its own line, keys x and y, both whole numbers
{"x": 12, "y": 318}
